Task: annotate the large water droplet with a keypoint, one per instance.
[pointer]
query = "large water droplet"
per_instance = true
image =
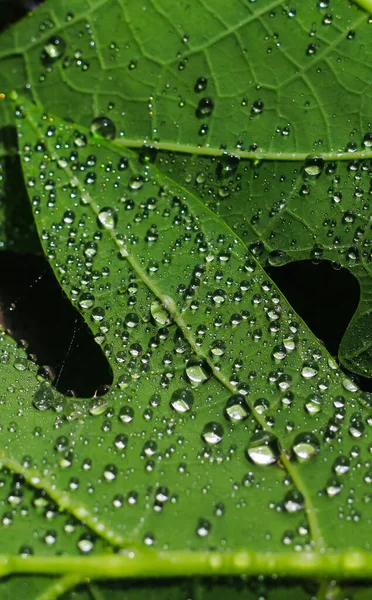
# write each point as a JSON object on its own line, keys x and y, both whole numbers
{"x": 103, "y": 127}
{"x": 236, "y": 408}
{"x": 313, "y": 166}
{"x": 54, "y": 47}
{"x": 205, "y": 108}
{"x": 43, "y": 398}
{"x": 305, "y": 446}
{"x": 263, "y": 448}
{"x": 198, "y": 370}
{"x": 293, "y": 501}
{"x": 212, "y": 433}
{"x": 182, "y": 400}
{"x": 107, "y": 218}
{"x": 160, "y": 314}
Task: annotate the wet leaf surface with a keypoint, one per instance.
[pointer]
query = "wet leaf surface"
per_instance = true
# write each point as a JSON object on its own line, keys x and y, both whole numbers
{"x": 160, "y": 176}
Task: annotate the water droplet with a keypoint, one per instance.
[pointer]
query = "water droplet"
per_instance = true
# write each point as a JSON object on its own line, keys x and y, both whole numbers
{"x": 103, "y": 127}
{"x": 313, "y": 404}
{"x": 54, "y": 48}
{"x": 212, "y": 433}
{"x": 198, "y": 370}
{"x": 205, "y": 108}
{"x": 44, "y": 398}
{"x": 293, "y": 501}
{"x": 333, "y": 487}
{"x": 309, "y": 370}
{"x": 201, "y": 84}
{"x": 305, "y": 446}
{"x": 160, "y": 314}
{"x": 367, "y": 140}
{"x": 107, "y": 218}
{"x": 126, "y": 414}
{"x": 227, "y": 165}
{"x": 341, "y": 466}
{"x": 85, "y": 544}
{"x": 263, "y": 448}
{"x": 313, "y": 167}
{"x": 218, "y": 348}
{"x": 110, "y": 472}
{"x": 236, "y": 408}
{"x": 86, "y": 301}
{"x": 182, "y": 400}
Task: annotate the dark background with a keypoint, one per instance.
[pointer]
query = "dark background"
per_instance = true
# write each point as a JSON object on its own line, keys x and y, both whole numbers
{"x": 57, "y": 335}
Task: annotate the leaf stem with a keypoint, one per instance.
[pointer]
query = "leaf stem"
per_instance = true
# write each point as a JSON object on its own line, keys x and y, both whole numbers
{"x": 259, "y": 155}
{"x": 142, "y": 564}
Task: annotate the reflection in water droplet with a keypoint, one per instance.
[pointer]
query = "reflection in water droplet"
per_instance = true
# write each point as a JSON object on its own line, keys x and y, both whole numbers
{"x": 205, "y": 108}
{"x": 43, "y": 398}
{"x": 103, "y": 127}
{"x": 182, "y": 400}
{"x": 305, "y": 446}
{"x": 212, "y": 433}
{"x": 263, "y": 448}
{"x": 227, "y": 165}
{"x": 54, "y": 47}
{"x": 126, "y": 414}
{"x": 313, "y": 404}
{"x": 86, "y": 300}
{"x": 107, "y": 218}
{"x": 309, "y": 370}
{"x": 293, "y": 501}
{"x": 236, "y": 408}
{"x": 159, "y": 314}
{"x": 198, "y": 370}
{"x": 367, "y": 140}
{"x": 313, "y": 167}
{"x": 333, "y": 487}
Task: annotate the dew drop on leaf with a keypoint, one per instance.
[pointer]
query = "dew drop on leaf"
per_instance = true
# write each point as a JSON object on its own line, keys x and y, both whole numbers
{"x": 54, "y": 48}
{"x": 182, "y": 400}
{"x": 212, "y": 433}
{"x": 293, "y": 501}
{"x": 198, "y": 370}
{"x": 236, "y": 408}
{"x": 313, "y": 167}
{"x": 201, "y": 84}
{"x": 103, "y": 127}
{"x": 205, "y": 108}
{"x": 107, "y": 218}
{"x": 263, "y": 448}
{"x": 43, "y": 397}
{"x": 305, "y": 446}
{"x": 159, "y": 314}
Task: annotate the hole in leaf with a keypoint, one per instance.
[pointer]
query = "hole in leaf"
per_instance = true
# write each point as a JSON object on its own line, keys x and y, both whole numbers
{"x": 325, "y": 298}
{"x": 54, "y": 331}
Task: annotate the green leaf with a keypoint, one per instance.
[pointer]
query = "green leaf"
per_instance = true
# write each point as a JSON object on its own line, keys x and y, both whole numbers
{"x": 301, "y": 87}
{"x": 230, "y": 442}
{"x": 225, "y": 412}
